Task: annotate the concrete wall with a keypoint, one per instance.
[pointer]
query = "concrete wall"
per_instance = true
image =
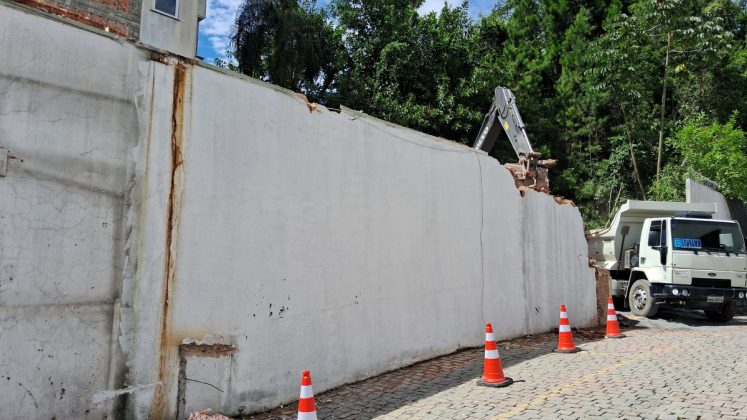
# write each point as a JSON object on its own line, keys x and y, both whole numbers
{"x": 67, "y": 118}
{"x": 172, "y": 222}
{"x": 302, "y": 230}
{"x": 695, "y": 192}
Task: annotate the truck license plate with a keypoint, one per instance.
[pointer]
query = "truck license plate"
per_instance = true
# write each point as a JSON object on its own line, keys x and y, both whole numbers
{"x": 715, "y": 299}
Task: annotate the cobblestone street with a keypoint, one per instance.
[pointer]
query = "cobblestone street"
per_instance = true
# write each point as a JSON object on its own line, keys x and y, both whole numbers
{"x": 676, "y": 366}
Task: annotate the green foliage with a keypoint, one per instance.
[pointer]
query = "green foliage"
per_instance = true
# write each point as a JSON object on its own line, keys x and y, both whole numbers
{"x": 600, "y": 84}
{"x": 717, "y": 151}
{"x": 228, "y": 64}
{"x": 409, "y": 69}
{"x": 671, "y": 185}
{"x": 288, "y": 43}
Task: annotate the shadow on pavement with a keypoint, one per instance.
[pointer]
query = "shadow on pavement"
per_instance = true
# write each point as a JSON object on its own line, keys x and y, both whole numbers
{"x": 385, "y": 393}
{"x": 390, "y": 391}
{"x": 670, "y": 318}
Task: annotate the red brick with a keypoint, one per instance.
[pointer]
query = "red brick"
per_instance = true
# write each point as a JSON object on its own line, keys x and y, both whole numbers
{"x": 86, "y": 18}
{"x": 123, "y": 5}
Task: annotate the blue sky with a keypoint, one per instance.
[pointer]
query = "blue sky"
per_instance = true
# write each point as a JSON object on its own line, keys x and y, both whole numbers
{"x": 215, "y": 30}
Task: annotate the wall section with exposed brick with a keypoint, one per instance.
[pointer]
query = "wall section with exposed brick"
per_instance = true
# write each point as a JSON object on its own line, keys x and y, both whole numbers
{"x": 120, "y": 17}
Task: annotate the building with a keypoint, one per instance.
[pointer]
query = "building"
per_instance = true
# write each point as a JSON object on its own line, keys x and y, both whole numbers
{"x": 170, "y": 25}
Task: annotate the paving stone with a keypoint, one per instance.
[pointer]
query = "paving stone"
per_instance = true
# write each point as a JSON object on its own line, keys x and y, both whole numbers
{"x": 689, "y": 372}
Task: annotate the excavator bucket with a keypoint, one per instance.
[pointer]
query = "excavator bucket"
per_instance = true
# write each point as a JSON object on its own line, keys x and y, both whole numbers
{"x": 531, "y": 172}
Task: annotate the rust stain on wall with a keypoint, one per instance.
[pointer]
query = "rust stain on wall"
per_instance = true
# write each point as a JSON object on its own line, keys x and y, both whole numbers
{"x": 173, "y": 207}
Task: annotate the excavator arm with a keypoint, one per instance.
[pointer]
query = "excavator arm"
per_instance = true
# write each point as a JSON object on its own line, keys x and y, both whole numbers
{"x": 505, "y": 111}
{"x": 530, "y": 171}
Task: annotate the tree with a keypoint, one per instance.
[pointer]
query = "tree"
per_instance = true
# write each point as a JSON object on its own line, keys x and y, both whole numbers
{"x": 409, "y": 69}
{"x": 287, "y": 43}
{"x": 585, "y": 174}
{"x": 673, "y": 33}
{"x": 623, "y": 76}
{"x": 715, "y": 151}
{"x": 368, "y": 26}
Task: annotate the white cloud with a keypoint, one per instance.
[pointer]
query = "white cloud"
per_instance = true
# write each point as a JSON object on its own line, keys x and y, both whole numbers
{"x": 436, "y": 5}
{"x": 221, "y": 16}
{"x": 218, "y": 24}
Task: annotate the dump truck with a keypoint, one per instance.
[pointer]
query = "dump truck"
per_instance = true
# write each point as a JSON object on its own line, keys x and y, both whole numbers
{"x": 673, "y": 254}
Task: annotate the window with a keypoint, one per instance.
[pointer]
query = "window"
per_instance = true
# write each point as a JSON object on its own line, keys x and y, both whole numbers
{"x": 168, "y": 7}
{"x": 707, "y": 235}
{"x": 654, "y": 234}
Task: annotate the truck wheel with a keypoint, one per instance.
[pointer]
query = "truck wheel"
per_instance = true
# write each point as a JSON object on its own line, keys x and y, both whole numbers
{"x": 725, "y": 314}
{"x": 640, "y": 300}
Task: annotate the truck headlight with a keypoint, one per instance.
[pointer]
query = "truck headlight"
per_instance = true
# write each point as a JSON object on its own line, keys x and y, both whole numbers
{"x": 741, "y": 295}
{"x": 676, "y": 292}
{"x": 685, "y": 292}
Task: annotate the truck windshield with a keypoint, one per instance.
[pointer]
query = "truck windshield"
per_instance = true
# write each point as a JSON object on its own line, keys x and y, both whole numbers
{"x": 708, "y": 236}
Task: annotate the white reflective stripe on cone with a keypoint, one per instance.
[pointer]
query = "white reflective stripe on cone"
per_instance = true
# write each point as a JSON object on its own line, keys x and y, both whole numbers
{"x": 610, "y": 306}
{"x": 306, "y": 392}
{"x": 489, "y": 337}
{"x": 611, "y": 318}
{"x": 492, "y": 354}
{"x": 307, "y": 416}
{"x": 564, "y": 328}
{"x": 563, "y": 315}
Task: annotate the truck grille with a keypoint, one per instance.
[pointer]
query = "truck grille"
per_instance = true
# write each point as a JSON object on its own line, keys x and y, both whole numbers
{"x": 721, "y": 283}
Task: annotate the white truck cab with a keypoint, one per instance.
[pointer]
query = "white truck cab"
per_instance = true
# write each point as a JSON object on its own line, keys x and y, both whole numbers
{"x": 673, "y": 254}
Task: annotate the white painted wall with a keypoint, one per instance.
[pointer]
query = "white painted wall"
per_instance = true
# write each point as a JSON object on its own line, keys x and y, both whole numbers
{"x": 310, "y": 231}
{"x": 311, "y": 240}
{"x": 66, "y": 111}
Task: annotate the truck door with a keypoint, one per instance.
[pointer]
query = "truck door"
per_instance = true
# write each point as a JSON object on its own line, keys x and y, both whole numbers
{"x": 654, "y": 251}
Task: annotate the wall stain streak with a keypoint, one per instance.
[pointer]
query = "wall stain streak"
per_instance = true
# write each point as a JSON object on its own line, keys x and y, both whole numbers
{"x": 173, "y": 207}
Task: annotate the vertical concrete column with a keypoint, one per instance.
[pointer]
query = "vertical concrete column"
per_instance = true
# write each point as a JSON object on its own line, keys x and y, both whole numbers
{"x": 154, "y": 219}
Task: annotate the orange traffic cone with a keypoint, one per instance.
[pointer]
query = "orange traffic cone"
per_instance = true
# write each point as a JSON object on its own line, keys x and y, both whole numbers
{"x": 306, "y": 404}
{"x": 565, "y": 337}
{"x": 493, "y": 369}
{"x": 613, "y": 327}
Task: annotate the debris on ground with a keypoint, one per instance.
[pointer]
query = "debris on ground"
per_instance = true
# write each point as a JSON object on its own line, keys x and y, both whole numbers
{"x": 202, "y": 415}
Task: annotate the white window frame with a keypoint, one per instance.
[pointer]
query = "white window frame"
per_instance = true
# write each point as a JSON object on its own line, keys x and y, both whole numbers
{"x": 161, "y": 12}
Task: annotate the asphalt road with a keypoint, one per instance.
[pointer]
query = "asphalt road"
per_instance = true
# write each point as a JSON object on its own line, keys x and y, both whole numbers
{"x": 678, "y": 365}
